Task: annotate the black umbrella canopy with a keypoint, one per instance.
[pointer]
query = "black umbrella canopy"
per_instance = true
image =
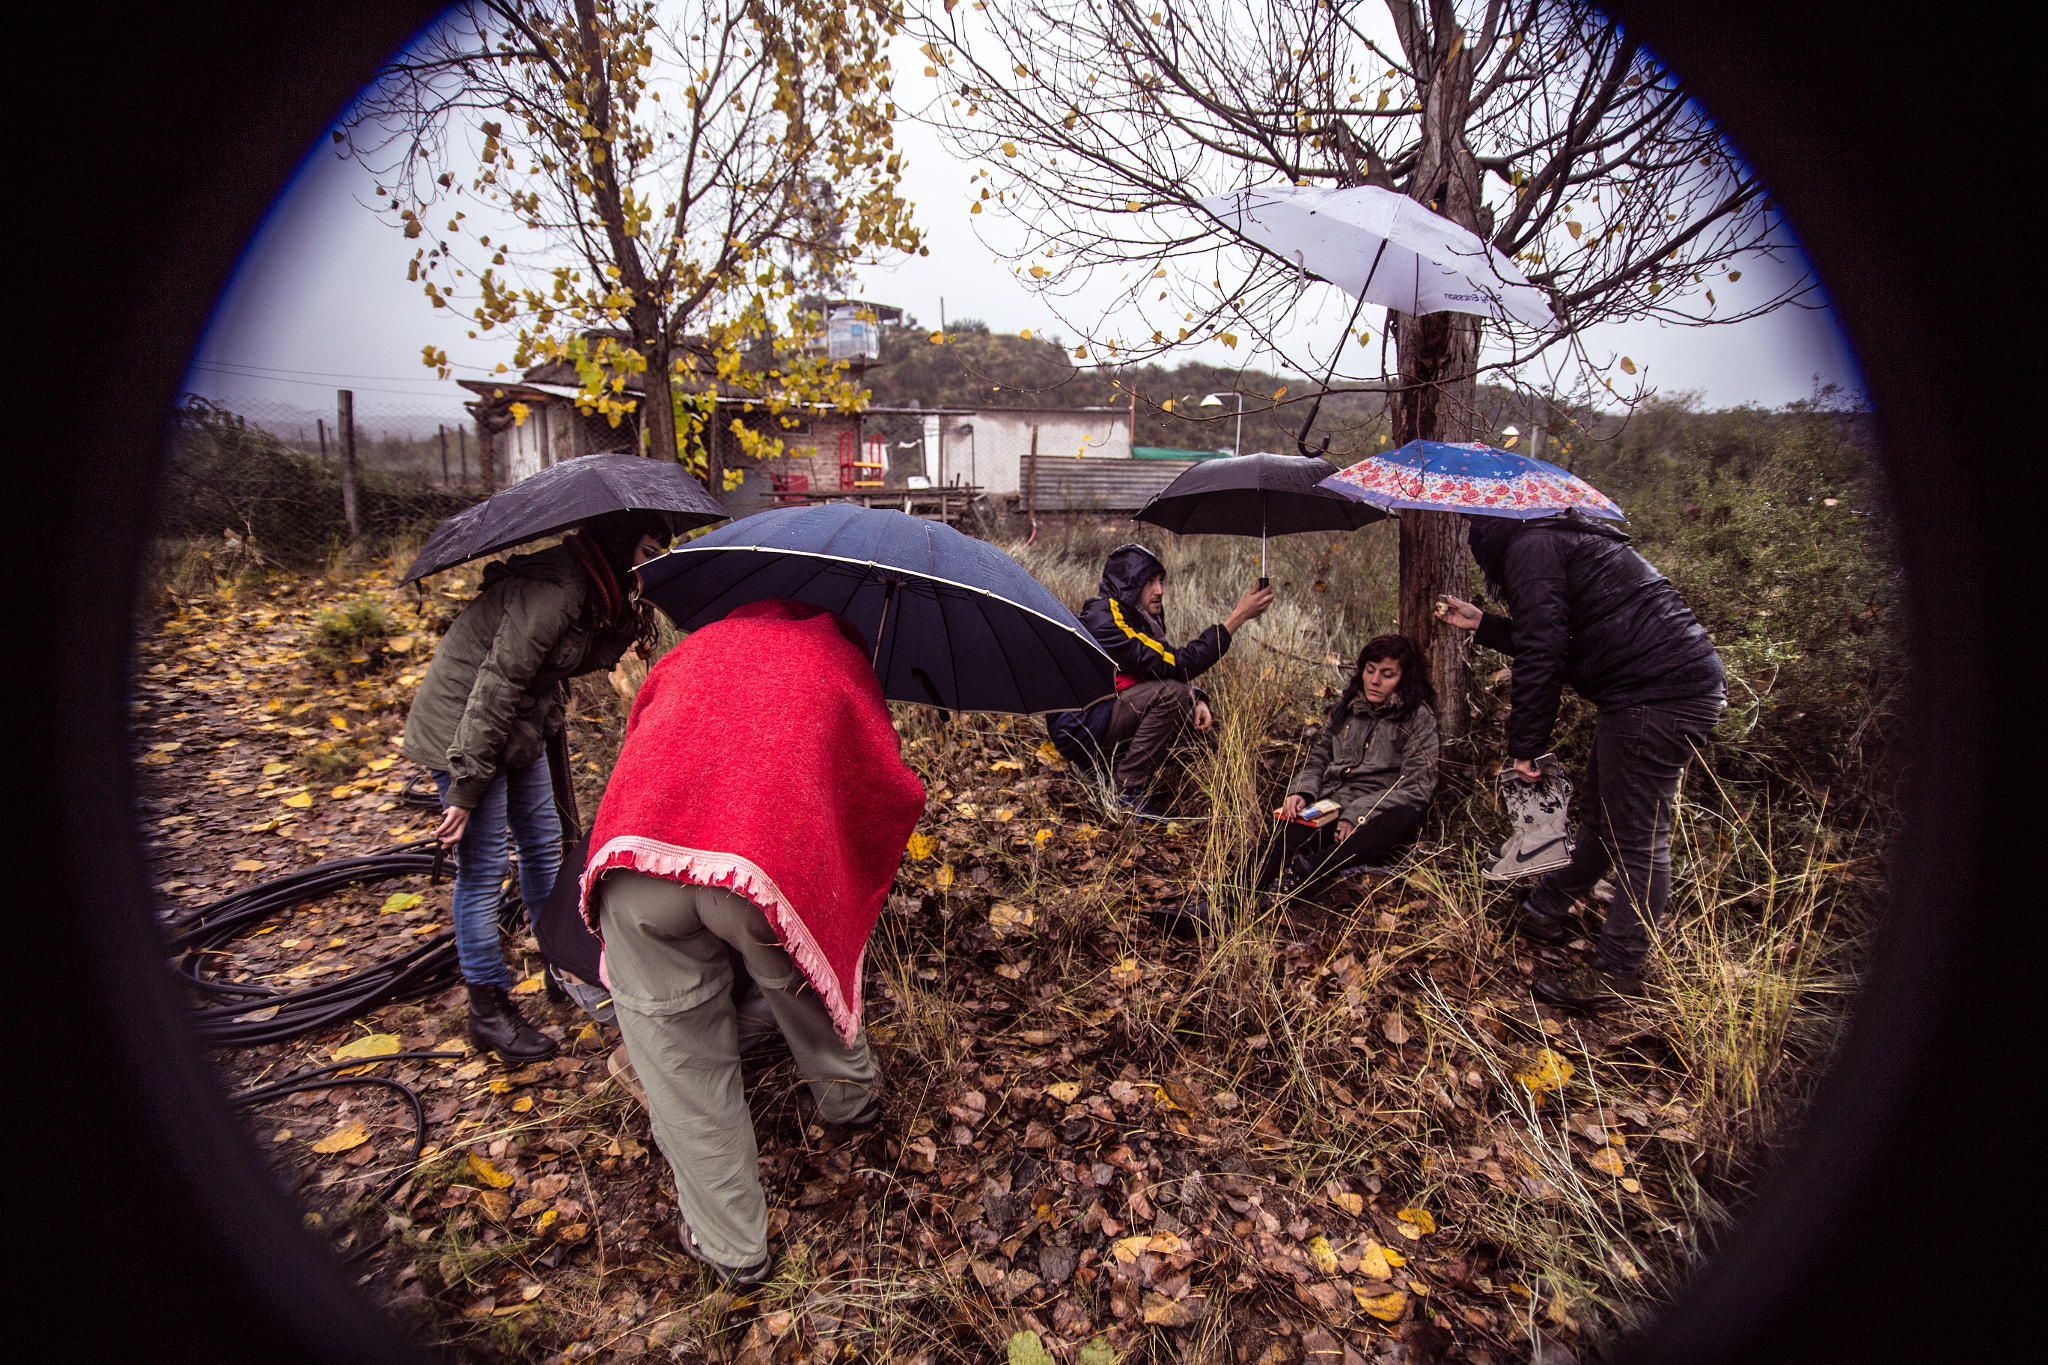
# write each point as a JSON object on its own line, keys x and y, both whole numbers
{"x": 1255, "y": 495}
{"x": 561, "y": 495}
{"x": 950, "y": 621}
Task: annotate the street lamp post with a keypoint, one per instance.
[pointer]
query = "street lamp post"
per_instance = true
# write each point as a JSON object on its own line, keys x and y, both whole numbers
{"x": 1215, "y": 400}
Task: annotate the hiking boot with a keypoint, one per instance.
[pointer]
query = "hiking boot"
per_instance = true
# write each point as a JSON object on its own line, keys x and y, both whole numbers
{"x": 496, "y": 1025}
{"x": 1587, "y": 987}
{"x": 1142, "y": 807}
{"x": 732, "y": 1281}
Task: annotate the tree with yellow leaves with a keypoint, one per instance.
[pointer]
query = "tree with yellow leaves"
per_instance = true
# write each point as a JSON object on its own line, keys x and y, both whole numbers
{"x": 667, "y": 181}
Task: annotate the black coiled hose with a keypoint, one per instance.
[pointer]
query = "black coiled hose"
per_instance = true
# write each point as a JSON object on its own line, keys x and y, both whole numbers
{"x": 223, "y": 1017}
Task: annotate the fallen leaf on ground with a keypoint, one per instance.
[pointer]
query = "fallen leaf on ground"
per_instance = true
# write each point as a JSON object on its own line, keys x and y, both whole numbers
{"x": 249, "y": 865}
{"x": 530, "y": 985}
{"x": 921, "y": 847}
{"x": 1607, "y": 1161}
{"x": 1550, "y": 1072}
{"x": 1161, "y": 1311}
{"x": 299, "y": 802}
{"x": 1064, "y": 1091}
{"x": 1374, "y": 1263}
{"x": 1396, "y": 1029}
{"x": 1323, "y": 1255}
{"x": 374, "y": 1045}
{"x": 488, "y": 1173}
{"x": 1386, "y": 1307}
{"x": 1351, "y": 1203}
{"x": 1419, "y": 1219}
{"x": 345, "y": 1139}
{"x": 400, "y": 900}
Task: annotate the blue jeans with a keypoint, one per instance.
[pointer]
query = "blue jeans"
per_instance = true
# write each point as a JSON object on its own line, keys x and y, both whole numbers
{"x": 1625, "y": 811}
{"x": 523, "y": 798}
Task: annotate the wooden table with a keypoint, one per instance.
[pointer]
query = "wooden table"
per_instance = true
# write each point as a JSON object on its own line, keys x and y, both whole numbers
{"x": 947, "y": 503}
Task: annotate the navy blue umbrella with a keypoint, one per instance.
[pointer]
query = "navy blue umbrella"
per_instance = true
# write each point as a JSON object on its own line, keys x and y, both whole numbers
{"x": 951, "y": 621}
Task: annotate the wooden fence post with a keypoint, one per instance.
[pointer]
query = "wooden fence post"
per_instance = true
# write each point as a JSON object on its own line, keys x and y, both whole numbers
{"x": 345, "y": 416}
{"x": 442, "y": 432}
{"x": 1031, "y": 482}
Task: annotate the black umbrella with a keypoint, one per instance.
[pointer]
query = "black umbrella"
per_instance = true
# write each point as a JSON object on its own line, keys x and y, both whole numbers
{"x": 1255, "y": 495}
{"x": 952, "y": 621}
{"x": 560, "y": 496}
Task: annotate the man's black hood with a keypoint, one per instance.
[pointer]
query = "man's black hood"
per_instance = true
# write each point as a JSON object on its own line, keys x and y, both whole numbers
{"x": 1128, "y": 568}
{"x": 1489, "y": 537}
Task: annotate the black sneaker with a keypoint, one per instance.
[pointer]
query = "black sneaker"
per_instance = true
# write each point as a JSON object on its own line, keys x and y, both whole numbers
{"x": 1142, "y": 807}
{"x": 1193, "y": 919}
{"x": 1534, "y": 924}
{"x": 1587, "y": 987}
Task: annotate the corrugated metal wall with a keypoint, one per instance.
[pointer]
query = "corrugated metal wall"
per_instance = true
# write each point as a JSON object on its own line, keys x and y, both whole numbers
{"x": 1068, "y": 485}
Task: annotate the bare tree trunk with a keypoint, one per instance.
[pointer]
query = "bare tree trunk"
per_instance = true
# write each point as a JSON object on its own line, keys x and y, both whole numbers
{"x": 1439, "y": 353}
{"x": 657, "y": 403}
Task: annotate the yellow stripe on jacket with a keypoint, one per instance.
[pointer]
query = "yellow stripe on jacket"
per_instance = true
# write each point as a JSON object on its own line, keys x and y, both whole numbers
{"x": 1117, "y": 614}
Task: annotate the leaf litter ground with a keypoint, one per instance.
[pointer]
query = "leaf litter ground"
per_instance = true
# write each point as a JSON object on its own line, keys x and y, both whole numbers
{"x": 1314, "y": 1141}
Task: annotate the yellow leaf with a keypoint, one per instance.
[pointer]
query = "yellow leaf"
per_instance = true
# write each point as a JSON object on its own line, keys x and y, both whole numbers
{"x": 1025, "y": 333}
{"x": 401, "y": 644}
{"x": 945, "y": 874}
{"x": 1607, "y": 1161}
{"x": 1279, "y": 393}
{"x": 1039, "y": 272}
{"x": 299, "y": 802}
{"x": 1550, "y": 1073}
{"x": 1165, "y": 1243}
{"x": 1374, "y": 1263}
{"x": 1627, "y": 366}
{"x": 999, "y": 816}
{"x": 273, "y": 769}
{"x": 1048, "y": 752}
{"x": 338, "y": 722}
{"x": 1010, "y": 919}
{"x": 1128, "y": 1249}
{"x": 522, "y": 1104}
{"x": 343, "y": 790}
{"x": 343, "y": 1140}
{"x": 486, "y": 1172}
{"x": 921, "y": 847}
{"x": 1132, "y": 205}
{"x": 1227, "y": 338}
{"x": 1419, "y": 1219}
{"x": 1574, "y": 229}
{"x": 1064, "y": 1091}
{"x": 1351, "y": 1203}
{"x": 378, "y": 765}
{"x": 1009, "y": 149}
{"x": 375, "y": 1045}
{"x": 1322, "y": 1255}
{"x": 974, "y": 207}
{"x": 400, "y": 900}
{"x": 1394, "y": 1258}
{"x": 1734, "y": 275}
{"x": 545, "y": 1219}
{"x": 1009, "y": 764}
{"x": 249, "y": 865}
{"x": 1385, "y": 1307}
{"x": 530, "y": 985}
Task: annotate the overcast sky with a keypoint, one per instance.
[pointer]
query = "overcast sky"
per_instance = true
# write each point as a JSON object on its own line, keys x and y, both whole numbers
{"x": 320, "y": 302}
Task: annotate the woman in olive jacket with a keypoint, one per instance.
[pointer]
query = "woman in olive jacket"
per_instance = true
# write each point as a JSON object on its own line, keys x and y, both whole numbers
{"x": 1376, "y": 758}
{"x": 492, "y": 698}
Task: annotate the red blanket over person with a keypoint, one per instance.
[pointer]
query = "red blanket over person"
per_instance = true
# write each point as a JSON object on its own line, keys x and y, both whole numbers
{"x": 760, "y": 756}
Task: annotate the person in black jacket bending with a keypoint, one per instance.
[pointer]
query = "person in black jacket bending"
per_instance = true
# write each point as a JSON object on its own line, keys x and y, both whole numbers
{"x": 1156, "y": 702}
{"x": 1590, "y": 611}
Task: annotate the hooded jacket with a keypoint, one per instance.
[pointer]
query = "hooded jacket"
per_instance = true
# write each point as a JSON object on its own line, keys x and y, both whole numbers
{"x": 1371, "y": 759}
{"x": 493, "y": 695}
{"x": 1589, "y": 611}
{"x": 1135, "y": 640}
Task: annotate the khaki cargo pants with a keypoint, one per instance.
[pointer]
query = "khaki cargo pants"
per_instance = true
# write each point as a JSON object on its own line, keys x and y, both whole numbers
{"x": 671, "y": 980}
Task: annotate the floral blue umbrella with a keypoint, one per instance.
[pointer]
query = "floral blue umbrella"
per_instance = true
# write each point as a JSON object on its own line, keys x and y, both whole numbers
{"x": 1444, "y": 476}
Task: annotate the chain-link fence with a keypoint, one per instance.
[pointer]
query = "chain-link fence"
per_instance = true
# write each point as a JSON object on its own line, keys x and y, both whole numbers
{"x": 266, "y": 477}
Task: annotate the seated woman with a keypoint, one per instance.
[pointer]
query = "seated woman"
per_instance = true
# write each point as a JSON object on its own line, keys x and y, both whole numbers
{"x": 1376, "y": 759}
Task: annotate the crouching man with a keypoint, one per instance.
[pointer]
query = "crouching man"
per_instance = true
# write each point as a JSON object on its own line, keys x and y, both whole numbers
{"x": 1156, "y": 702}
{"x": 760, "y": 804}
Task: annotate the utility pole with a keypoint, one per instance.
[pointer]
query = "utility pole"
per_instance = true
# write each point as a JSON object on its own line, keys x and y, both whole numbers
{"x": 345, "y": 415}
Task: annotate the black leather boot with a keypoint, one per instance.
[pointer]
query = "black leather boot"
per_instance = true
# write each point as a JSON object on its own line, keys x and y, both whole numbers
{"x": 495, "y": 1025}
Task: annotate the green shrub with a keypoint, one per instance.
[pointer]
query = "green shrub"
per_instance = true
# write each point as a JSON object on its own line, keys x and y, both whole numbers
{"x": 351, "y": 634}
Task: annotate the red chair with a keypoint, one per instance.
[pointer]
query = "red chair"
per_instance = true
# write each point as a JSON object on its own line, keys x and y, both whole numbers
{"x": 790, "y": 489}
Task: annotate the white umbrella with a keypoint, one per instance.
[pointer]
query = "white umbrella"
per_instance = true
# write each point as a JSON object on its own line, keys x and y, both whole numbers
{"x": 1384, "y": 248}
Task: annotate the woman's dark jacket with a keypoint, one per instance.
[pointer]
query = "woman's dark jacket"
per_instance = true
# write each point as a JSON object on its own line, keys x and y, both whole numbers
{"x": 1371, "y": 759}
{"x": 493, "y": 695}
{"x": 1589, "y": 611}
